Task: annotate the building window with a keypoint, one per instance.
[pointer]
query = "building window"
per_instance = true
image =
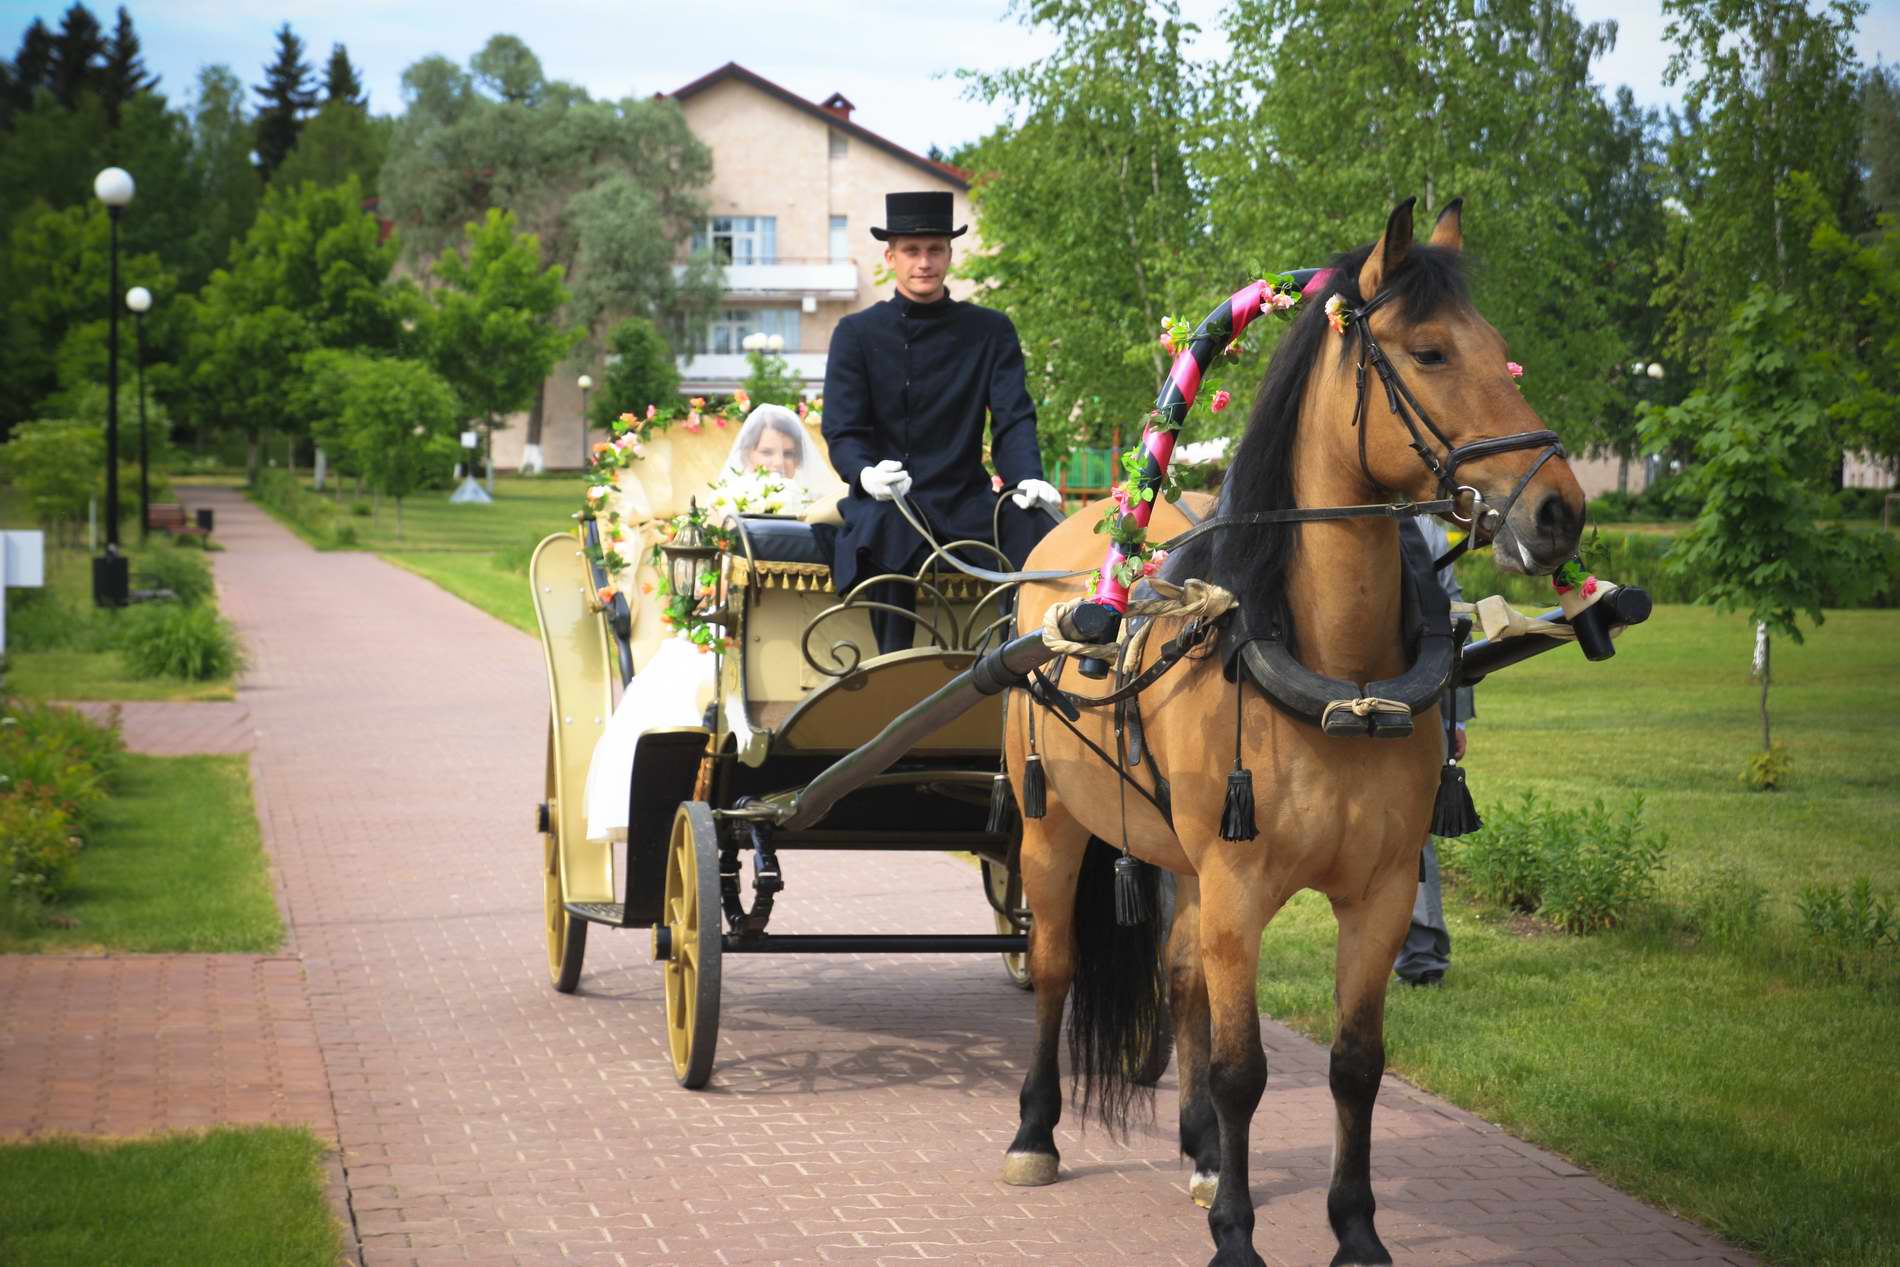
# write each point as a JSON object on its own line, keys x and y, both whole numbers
{"x": 840, "y": 144}
{"x": 739, "y": 239}
{"x": 840, "y": 249}
{"x": 725, "y": 334}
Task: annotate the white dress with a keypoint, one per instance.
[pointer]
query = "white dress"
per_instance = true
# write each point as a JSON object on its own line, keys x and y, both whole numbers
{"x": 673, "y": 688}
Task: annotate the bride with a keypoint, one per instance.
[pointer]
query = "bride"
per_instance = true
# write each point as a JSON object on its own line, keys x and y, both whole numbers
{"x": 773, "y": 456}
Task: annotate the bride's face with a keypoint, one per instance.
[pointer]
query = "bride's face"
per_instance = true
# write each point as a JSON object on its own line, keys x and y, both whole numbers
{"x": 776, "y": 452}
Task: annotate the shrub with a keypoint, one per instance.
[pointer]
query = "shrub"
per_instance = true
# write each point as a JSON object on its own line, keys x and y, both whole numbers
{"x": 1848, "y": 918}
{"x": 98, "y": 744}
{"x": 192, "y": 643}
{"x": 1729, "y": 911}
{"x": 1767, "y": 770}
{"x": 37, "y": 846}
{"x": 1581, "y": 869}
{"x": 186, "y": 575}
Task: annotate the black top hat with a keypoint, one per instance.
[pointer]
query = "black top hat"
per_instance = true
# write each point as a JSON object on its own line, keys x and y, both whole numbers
{"x": 919, "y": 214}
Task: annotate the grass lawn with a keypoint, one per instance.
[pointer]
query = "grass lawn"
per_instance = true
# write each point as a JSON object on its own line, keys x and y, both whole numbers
{"x": 478, "y": 579}
{"x": 1745, "y": 1088}
{"x": 82, "y": 666}
{"x": 174, "y": 864}
{"x": 224, "y": 1198}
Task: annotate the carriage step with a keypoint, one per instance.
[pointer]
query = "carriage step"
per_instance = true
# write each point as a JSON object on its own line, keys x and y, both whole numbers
{"x": 597, "y": 912}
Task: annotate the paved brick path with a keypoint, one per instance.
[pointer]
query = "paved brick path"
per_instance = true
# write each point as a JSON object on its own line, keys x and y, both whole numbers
{"x": 162, "y": 728}
{"x": 860, "y": 1108}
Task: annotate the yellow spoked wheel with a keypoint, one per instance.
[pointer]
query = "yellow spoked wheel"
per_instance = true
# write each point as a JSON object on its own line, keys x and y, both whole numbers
{"x": 1006, "y": 891}
{"x": 687, "y": 942}
{"x": 567, "y": 936}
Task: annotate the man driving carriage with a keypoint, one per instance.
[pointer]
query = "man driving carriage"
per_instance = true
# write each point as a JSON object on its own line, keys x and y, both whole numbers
{"x": 907, "y": 384}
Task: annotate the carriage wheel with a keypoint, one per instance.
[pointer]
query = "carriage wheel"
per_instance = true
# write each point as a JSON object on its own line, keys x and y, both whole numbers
{"x": 567, "y": 936}
{"x": 1006, "y": 891}
{"x": 692, "y": 945}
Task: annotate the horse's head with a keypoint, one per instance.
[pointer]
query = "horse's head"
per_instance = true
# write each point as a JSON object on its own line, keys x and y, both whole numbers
{"x": 1422, "y": 403}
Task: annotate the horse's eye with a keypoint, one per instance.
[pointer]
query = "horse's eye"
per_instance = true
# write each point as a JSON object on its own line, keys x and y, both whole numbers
{"x": 1429, "y": 356}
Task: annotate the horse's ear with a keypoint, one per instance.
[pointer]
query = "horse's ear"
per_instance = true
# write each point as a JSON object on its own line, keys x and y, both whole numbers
{"x": 1449, "y": 231}
{"x": 1388, "y": 253}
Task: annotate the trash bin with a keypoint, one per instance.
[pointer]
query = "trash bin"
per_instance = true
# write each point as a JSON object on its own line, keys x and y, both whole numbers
{"x": 205, "y": 518}
{"x": 111, "y": 580}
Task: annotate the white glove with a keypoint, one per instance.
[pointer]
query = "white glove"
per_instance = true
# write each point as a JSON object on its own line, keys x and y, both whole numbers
{"x": 886, "y": 480}
{"x": 1031, "y": 492}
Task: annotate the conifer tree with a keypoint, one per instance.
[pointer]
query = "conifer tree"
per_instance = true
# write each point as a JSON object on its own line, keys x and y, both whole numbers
{"x": 76, "y": 53}
{"x": 287, "y": 98}
{"x": 123, "y": 75}
{"x": 29, "y": 71}
{"x": 341, "y": 83}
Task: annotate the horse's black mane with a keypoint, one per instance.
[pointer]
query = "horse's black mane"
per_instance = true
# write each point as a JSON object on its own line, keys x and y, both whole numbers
{"x": 1252, "y": 560}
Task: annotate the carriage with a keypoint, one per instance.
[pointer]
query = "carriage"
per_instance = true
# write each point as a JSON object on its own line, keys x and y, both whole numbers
{"x": 795, "y": 695}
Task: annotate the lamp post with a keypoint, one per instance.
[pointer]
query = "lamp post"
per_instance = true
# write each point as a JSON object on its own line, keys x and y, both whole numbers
{"x": 110, "y": 575}
{"x": 139, "y": 300}
{"x": 586, "y": 384}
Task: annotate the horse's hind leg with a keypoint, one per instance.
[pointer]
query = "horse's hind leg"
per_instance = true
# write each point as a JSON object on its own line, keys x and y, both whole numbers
{"x": 1053, "y": 847}
{"x": 1187, "y": 998}
{"x": 1370, "y": 931}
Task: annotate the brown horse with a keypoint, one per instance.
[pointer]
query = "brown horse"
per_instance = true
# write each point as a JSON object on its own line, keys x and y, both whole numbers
{"x": 1345, "y": 816}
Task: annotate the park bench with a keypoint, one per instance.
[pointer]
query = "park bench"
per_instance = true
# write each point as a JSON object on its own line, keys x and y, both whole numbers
{"x": 170, "y": 518}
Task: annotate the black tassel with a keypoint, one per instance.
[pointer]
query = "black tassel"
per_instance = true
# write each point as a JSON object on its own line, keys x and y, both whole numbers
{"x": 1236, "y": 820}
{"x": 1035, "y": 791}
{"x": 1453, "y": 814}
{"x": 999, "y": 805}
{"x": 1130, "y": 910}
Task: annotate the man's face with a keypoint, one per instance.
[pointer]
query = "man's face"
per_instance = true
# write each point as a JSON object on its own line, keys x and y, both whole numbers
{"x": 919, "y": 264}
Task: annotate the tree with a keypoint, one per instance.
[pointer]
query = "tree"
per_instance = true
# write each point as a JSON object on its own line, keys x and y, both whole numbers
{"x": 77, "y": 50}
{"x": 1331, "y": 112}
{"x": 28, "y": 72}
{"x": 1857, "y": 282}
{"x": 494, "y": 337}
{"x": 399, "y": 418}
{"x": 1091, "y": 195}
{"x": 641, "y": 372}
{"x": 228, "y": 187}
{"x": 1880, "y": 139}
{"x": 287, "y": 98}
{"x": 339, "y": 142}
{"x": 1762, "y": 441}
{"x": 1771, "y": 89}
{"x": 122, "y": 74}
{"x": 58, "y": 464}
{"x": 610, "y": 189}
{"x": 341, "y": 84}
{"x": 769, "y": 379}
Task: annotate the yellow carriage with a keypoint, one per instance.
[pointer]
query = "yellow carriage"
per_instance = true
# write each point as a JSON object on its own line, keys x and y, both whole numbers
{"x": 796, "y": 693}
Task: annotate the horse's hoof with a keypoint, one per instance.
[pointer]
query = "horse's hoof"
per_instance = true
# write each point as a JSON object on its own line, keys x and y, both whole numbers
{"x": 1202, "y": 1188}
{"x": 1029, "y": 1170}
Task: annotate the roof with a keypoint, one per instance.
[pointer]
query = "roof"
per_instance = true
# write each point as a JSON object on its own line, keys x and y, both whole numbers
{"x": 733, "y": 70}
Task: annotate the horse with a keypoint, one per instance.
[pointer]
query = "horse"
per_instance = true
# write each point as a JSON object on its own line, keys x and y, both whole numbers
{"x": 1347, "y": 817}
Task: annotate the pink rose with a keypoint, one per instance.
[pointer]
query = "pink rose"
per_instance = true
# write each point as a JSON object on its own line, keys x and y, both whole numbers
{"x": 996, "y": 483}
{"x": 1154, "y": 563}
{"x": 652, "y": 410}
{"x": 1514, "y": 369}
{"x": 1220, "y": 401}
{"x": 1590, "y": 587}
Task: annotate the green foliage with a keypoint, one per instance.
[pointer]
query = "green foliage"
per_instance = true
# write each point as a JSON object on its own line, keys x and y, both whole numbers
{"x": 338, "y": 143}
{"x": 495, "y": 337}
{"x": 191, "y": 643}
{"x": 645, "y": 373}
{"x": 1846, "y": 918}
{"x": 770, "y": 380}
{"x": 187, "y": 576}
{"x": 1856, "y": 281}
{"x": 1767, "y": 768}
{"x": 55, "y": 768}
{"x": 58, "y": 465}
{"x": 1761, "y": 439}
{"x": 287, "y": 97}
{"x": 1580, "y": 869}
{"x": 1729, "y": 910}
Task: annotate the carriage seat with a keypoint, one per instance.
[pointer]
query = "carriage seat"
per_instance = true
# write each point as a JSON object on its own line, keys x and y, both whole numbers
{"x": 781, "y": 540}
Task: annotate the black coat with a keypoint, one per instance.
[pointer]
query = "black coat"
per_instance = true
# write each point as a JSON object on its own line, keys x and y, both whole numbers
{"x": 913, "y": 382}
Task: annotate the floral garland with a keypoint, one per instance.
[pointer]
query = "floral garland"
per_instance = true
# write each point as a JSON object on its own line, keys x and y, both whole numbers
{"x": 1279, "y": 296}
{"x": 681, "y": 612}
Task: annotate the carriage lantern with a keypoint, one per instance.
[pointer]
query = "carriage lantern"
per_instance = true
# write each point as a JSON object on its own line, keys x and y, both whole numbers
{"x": 689, "y": 556}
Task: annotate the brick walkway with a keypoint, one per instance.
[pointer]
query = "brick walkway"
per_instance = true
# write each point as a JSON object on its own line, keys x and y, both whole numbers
{"x": 163, "y": 728}
{"x": 860, "y": 1107}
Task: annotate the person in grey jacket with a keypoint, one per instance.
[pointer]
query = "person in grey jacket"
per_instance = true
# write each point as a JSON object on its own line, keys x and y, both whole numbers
{"x": 1426, "y": 954}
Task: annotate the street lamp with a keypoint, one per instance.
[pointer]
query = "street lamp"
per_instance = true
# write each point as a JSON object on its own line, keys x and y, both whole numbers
{"x": 110, "y": 572}
{"x": 586, "y": 384}
{"x": 139, "y": 300}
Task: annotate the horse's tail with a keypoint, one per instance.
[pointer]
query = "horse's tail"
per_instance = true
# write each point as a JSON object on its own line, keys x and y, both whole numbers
{"x": 1118, "y": 1020}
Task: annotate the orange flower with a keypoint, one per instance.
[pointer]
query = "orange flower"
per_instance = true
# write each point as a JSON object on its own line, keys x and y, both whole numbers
{"x": 605, "y": 595}
{"x": 697, "y": 402}
{"x": 601, "y": 446}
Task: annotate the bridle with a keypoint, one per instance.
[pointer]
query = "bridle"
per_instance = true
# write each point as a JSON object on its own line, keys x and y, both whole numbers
{"x": 1468, "y": 505}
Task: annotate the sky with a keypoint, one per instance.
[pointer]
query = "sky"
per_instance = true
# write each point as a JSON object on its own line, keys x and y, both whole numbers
{"x": 897, "y": 65}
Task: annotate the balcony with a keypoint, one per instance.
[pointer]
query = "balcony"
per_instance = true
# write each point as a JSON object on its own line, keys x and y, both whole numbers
{"x": 787, "y": 278}
{"x": 708, "y": 372}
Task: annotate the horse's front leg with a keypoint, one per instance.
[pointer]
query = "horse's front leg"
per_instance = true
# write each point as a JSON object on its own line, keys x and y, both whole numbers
{"x": 1187, "y": 999}
{"x": 1052, "y": 852}
{"x": 1370, "y": 932}
{"x": 1232, "y": 920}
